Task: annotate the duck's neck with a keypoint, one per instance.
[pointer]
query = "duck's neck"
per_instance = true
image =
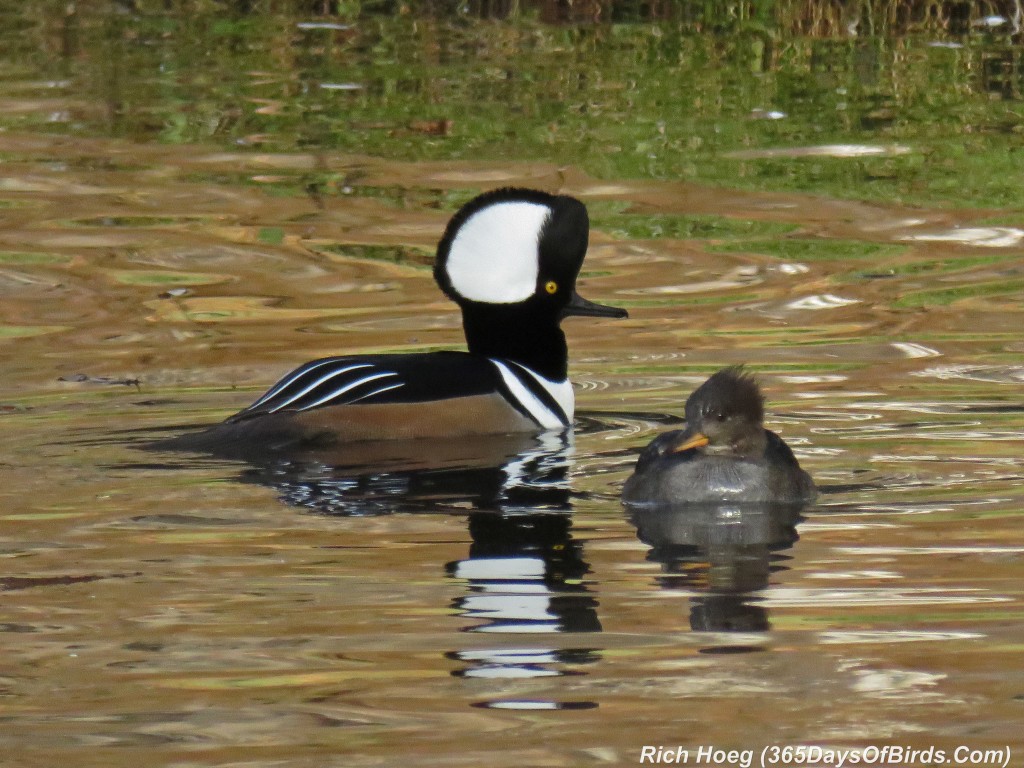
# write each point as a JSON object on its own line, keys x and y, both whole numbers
{"x": 533, "y": 340}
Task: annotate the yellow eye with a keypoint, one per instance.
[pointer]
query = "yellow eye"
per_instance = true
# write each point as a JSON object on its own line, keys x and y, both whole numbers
{"x": 551, "y": 286}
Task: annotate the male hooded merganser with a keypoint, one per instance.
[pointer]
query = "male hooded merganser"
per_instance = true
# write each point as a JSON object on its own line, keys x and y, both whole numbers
{"x": 509, "y": 258}
{"x": 725, "y": 455}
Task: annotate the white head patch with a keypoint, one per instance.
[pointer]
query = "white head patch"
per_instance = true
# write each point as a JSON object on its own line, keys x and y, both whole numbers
{"x": 494, "y": 256}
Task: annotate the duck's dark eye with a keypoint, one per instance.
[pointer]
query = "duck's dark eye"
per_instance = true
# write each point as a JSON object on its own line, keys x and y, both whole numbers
{"x": 713, "y": 414}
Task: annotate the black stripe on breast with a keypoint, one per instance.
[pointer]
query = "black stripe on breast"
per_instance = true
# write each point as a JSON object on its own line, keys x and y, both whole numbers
{"x": 535, "y": 388}
{"x": 513, "y": 401}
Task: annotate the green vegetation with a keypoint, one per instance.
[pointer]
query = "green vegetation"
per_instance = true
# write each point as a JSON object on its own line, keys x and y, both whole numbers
{"x": 270, "y": 235}
{"x": 24, "y": 258}
{"x": 925, "y": 267}
{"x": 622, "y": 221}
{"x": 804, "y": 249}
{"x": 944, "y": 296}
{"x": 682, "y": 90}
{"x": 409, "y": 256}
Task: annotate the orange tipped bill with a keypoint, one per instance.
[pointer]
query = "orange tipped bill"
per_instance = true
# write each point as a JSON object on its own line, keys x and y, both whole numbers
{"x": 697, "y": 440}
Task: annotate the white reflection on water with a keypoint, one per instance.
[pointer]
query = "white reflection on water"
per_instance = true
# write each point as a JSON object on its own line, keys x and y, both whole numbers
{"x": 821, "y": 301}
{"x": 341, "y": 86}
{"x": 833, "y": 378}
{"x": 913, "y": 350}
{"x": 777, "y": 597}
{"x": 306, "y": 25}
{"x": 932, "y": 551}
{"x": 506, "y": 671}
{"x": 897, "y": 683}
{"x": 836, "y": 575}
{"x": 988, "y": 373}
{"x": 982, "y": 237}
{"x": 824, "y": 150}
{"x": 893, "y": 636}
{"x": 502, "y": 569}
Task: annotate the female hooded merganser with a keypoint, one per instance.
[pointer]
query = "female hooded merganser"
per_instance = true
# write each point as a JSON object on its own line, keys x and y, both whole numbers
{"x": 509, "y": 258}
{"x": 725, "y": 455}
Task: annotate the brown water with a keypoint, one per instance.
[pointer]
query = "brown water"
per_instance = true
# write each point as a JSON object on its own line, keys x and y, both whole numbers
{"x": 206, "y": 613}
{"x": 498, "y": 607}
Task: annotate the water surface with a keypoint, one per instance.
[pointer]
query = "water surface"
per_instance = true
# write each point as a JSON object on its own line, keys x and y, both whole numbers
{"x": 496, "y": 604}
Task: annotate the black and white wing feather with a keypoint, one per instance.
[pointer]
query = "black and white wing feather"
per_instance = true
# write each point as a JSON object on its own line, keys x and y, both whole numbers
{"x": 333, "y": 381}
{"x": 416, "y": 378}
{"x": 375, "y": 379}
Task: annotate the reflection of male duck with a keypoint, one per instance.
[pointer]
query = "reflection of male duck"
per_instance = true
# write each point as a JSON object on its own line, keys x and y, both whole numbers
{"x": 524, "y": 573}
{"x": 505, "y": 474}
{"x": 524, "y": 576}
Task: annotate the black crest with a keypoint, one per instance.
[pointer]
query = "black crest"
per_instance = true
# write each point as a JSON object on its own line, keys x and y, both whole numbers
{"x": 729, "y": 392}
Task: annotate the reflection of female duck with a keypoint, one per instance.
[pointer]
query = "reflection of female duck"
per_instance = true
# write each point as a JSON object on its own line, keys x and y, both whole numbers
{"x": 723, "y": 548}
{"x": 724, "y": 552}
{"x": 725, "y": 455}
